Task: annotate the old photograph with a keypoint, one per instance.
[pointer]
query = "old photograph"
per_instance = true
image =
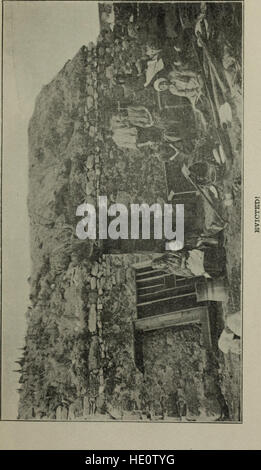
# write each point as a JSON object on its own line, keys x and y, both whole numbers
{"x": 123, "y": 164}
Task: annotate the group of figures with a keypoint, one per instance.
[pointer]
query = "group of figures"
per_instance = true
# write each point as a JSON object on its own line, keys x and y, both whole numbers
{"x": 180, "y": 103}
{"x": 190, "y": 85}
{"x": 192, "y": 88}
{"x": 158, "y": 101}
{"x": 193, "y": 81}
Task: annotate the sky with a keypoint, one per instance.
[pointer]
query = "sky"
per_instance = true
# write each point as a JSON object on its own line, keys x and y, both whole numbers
{"x": 39, "y": 37}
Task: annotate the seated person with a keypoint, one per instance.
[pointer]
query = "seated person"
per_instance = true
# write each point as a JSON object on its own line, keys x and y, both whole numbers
{"x": 184, "y": 84}
{"x": 208, "y": 262}
{"x": 135, "y": 138}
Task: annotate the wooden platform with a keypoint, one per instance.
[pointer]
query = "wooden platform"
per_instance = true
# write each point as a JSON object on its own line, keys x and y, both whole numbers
{"x": 165, "y": 300}
{"x": 199, "y": 315}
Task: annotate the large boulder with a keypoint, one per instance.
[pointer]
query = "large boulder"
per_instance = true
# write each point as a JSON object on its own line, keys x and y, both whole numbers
{"x": 92, "y": 319}
{"x": 94, "y": 356}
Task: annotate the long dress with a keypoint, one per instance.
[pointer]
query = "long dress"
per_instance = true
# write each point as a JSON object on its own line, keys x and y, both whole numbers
{"x": 153, "y": 67}
{"x": 125, "y": 137}
{"x": 137, "y": 124}
{"x": 188, "y": 85}
{"x": 185, "y": 84}
{"x": 139, "y": 116}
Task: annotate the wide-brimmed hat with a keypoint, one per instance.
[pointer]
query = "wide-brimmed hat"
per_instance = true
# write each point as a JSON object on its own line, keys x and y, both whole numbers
{"x": 158, "y": 82}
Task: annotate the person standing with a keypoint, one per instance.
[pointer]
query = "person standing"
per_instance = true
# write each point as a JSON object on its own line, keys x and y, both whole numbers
{"x": 208, "y": 262}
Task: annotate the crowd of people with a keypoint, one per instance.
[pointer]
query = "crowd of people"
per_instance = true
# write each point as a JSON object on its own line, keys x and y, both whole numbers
{"x": 175, "y": 100}
{"x": 189, "y": 88}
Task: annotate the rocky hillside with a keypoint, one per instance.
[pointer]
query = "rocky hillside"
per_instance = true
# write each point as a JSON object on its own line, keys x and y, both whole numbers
{"x": 82, "y": 299}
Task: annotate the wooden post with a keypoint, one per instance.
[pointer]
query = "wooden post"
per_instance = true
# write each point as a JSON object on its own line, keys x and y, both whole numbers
{"x": 196, "y": 315}
{"x": 166, "y": 320}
